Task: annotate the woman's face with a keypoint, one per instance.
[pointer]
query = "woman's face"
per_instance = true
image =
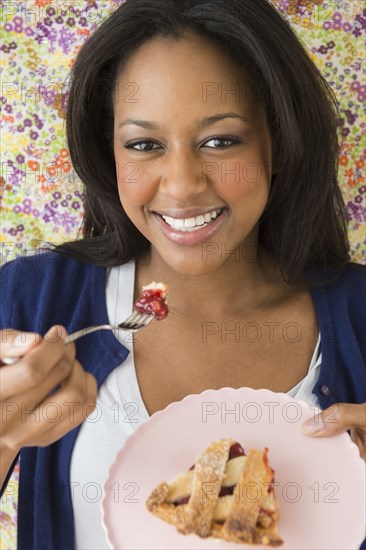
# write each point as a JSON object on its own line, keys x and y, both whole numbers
{"x": 193, "y": 152}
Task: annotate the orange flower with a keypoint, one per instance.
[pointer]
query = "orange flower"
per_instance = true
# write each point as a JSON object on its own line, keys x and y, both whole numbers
{"x": 52, "y": 170}
{"x": 83, "y": 31}
{"x": 33, "y": 165}
{"x": 8, "y": 118}
{"x": 343, "y": 161}
{"x": 42, "y": 3}
{"x": 360, "y": 163}
{"x": 349, "y": 173}
{"x": 64, "y": 153}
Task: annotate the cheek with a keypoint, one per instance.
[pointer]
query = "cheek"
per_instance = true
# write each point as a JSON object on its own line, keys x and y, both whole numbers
{"x": 247, "y": 182}
{"x": 135, "y": 188}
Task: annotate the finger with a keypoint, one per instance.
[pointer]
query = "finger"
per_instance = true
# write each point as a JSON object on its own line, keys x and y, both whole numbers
{"x": 56, "y": 415}
{"x": 359, "y": 438}
{"x": 337, "y": 419}
{"x": 76, "y": 415}
{"x": 15, "y": 343}
{"x": 30, "y": 399}
{"x": 31, "y": 370}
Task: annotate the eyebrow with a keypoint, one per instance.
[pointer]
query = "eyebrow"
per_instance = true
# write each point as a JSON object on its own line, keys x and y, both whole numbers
{"x": 203, "y": 123}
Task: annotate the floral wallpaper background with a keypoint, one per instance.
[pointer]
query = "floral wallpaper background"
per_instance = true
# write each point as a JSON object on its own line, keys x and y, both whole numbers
{"x": 40, "y": 194}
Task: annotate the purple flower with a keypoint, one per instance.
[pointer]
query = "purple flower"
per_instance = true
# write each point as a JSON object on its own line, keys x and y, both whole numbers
{"x": 27, "y": 122}
{"x": 34, "y": 135}
{"x": 20, "y": 159}
{"x": 56, "y": 195}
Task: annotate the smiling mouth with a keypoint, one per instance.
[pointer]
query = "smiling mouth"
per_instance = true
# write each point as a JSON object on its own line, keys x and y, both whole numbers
{"x": 188, "y": 225}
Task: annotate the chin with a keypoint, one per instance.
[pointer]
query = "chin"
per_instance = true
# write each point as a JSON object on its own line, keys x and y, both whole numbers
{"x": 191, "y": 264}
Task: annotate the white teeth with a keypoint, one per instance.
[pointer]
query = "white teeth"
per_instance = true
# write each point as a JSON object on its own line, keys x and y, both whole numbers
{"x": 192, "y": 224}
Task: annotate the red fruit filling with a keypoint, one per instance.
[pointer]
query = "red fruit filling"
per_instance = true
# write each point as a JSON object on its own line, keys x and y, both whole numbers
{"x": 152, "y": 303}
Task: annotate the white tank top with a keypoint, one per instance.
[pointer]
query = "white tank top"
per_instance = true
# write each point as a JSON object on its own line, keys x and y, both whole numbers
{"x": 120, "y": 410}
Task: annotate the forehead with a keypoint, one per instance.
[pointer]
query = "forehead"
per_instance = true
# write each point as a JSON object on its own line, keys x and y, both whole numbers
{"x": 191, "y": 69}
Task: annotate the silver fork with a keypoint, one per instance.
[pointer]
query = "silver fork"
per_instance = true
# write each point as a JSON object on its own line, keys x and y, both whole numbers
{"x": 133, "y": 323}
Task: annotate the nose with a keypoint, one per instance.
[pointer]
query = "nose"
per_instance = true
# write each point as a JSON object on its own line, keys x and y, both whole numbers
{"x": 182, "y": 176}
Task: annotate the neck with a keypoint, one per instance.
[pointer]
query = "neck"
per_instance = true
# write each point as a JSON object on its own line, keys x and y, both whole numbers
{"x": 233, "y": 289}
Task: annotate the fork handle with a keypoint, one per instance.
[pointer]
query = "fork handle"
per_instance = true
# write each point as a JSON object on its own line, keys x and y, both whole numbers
{"x": 69, "y": 338}
{"x": 84, "y": 331}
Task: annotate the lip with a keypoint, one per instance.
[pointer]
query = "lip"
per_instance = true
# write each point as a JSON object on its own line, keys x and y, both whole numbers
{"x": 194, "y": 237}
{"x": 180, "y": 214}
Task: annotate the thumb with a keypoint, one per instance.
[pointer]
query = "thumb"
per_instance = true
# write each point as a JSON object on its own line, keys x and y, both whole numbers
{"x": 336, "y": 419}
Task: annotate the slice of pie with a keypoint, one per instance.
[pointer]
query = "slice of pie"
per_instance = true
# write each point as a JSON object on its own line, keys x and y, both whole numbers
{"x": 226, "y": 494}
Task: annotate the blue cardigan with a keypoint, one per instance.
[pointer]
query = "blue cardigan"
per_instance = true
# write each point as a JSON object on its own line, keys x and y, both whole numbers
{"x": 46, "y": 289}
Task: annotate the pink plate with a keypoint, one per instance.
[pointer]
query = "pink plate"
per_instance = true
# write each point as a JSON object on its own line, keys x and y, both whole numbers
{"x": 320, "y": 482}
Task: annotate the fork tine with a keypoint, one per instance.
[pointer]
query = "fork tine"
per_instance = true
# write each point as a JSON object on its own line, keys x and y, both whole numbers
{"x": 136, "y": 319}
{"x": 140, "y": 321}
{"x": 135, "y": 316}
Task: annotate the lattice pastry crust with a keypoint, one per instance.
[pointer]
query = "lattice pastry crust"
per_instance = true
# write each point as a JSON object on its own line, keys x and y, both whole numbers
{"x": 226, "y": 494}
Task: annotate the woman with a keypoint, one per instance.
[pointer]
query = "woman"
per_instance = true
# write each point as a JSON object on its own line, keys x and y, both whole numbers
{"x": 206, "y": 140}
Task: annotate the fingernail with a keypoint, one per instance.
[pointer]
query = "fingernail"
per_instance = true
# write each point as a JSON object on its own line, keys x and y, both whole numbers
{"x": 24, "y": 339}
{"x": 55, "y": 333}
{"x": 313, "y": 425}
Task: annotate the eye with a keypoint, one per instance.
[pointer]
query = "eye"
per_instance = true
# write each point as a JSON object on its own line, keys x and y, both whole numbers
{"x": 224, "y": 141}
{"x": 146, "y": 146}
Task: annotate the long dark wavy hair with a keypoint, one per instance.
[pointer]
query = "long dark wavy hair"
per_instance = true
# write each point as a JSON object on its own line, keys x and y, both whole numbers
{"x": 304, "y": 225}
